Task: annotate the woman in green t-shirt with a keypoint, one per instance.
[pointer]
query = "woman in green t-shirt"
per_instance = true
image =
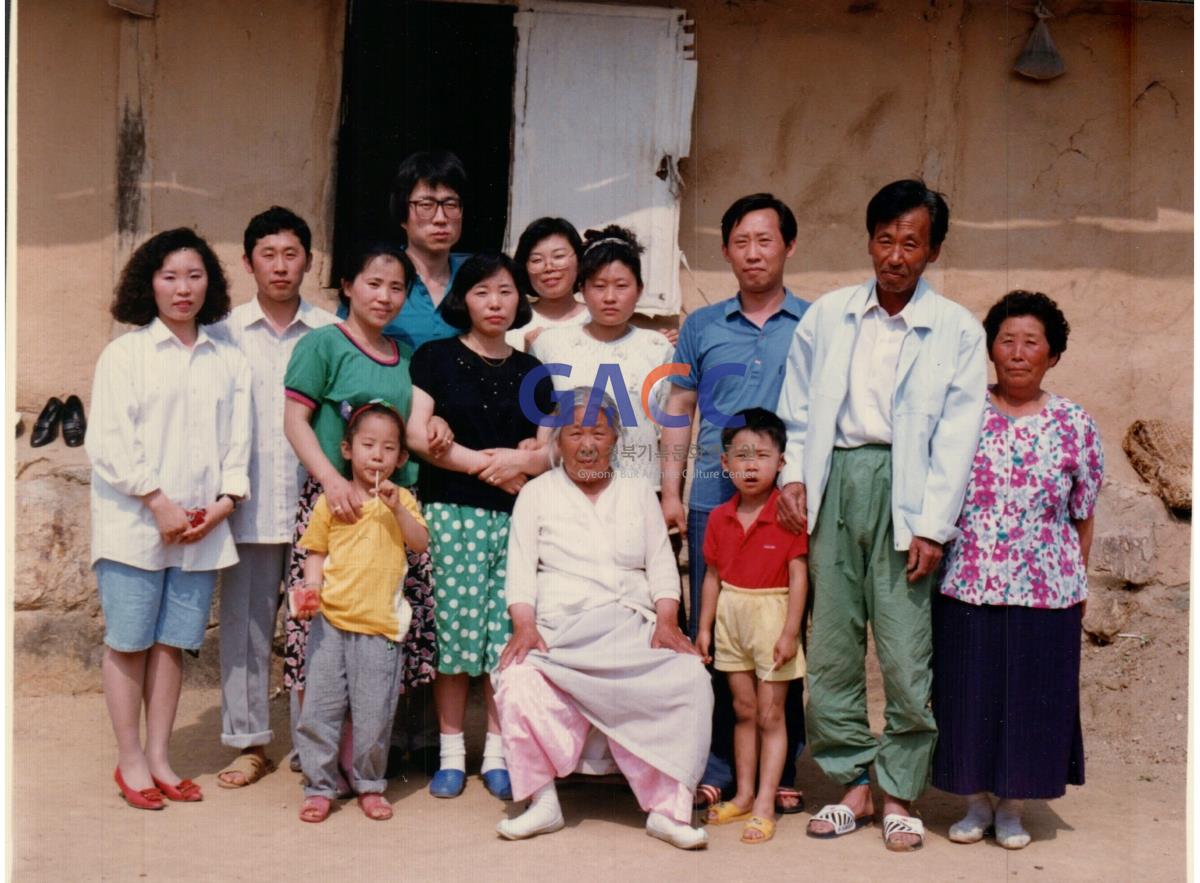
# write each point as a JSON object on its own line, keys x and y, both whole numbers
{"x": 333, "y": 370}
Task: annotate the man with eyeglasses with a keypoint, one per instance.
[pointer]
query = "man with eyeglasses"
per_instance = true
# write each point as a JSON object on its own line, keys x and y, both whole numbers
{"x": 427, "y": 203}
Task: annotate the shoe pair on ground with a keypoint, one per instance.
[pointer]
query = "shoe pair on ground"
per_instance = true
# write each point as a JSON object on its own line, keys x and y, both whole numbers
{"x": 69, "y": 414}
{"x": 154, "y": 798}
{"x": 544, "y": 816}
{"x": 450, "y": 783}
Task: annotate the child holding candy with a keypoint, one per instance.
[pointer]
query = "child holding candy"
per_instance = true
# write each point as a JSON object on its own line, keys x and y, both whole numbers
{"x": 354, "y": 590}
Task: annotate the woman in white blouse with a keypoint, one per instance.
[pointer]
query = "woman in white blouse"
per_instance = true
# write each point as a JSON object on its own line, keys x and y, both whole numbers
{"x": 593, "y": 591}
{"x": 169, "y": 441}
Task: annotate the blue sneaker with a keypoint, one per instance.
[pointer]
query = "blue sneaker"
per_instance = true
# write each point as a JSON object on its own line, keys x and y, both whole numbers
{"x": 448, "y": 783}
{"x": 498, "y": 784}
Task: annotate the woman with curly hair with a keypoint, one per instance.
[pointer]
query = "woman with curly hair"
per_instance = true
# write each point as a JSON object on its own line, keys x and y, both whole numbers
{"x": 1006, "y": 621}
{"x": 169, "y": 442}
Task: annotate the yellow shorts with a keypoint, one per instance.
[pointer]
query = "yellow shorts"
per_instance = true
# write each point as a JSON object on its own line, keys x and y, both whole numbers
{"x": 749, "y": 622}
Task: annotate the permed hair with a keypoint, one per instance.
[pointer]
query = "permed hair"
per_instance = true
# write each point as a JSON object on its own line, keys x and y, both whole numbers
{"x": 1029, "y": 303}
{"x": 133, "y": 298}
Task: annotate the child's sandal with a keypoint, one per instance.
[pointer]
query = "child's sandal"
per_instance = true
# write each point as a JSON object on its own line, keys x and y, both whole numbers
{"x": 315, "y": 809}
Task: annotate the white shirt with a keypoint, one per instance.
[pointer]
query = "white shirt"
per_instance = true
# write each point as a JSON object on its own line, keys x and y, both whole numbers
{"x": 866, "y": 414}
{"x": 938, "y": 397}
{"x": 567, "y": 554}
{"x": 637, "y": 353}
{"x": 516, "y": 337}
{"x": 276, "y": 475}
{"x": 165, "y": 417}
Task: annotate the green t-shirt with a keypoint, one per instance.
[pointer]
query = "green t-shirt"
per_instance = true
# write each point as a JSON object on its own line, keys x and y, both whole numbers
{"x": 331, "y": 374}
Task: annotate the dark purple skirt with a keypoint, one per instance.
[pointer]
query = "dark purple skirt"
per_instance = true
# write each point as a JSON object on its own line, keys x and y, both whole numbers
{"x": 1006, "y": 699}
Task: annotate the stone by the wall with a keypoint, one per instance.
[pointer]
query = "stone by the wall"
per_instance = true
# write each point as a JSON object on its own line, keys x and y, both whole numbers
{"x": 1125, "y": 544}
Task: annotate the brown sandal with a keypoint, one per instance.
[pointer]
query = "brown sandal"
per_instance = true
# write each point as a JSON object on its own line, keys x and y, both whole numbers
{"x": 250, "y": 767}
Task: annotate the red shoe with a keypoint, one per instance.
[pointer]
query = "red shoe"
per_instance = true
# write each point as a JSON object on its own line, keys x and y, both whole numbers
{"x": 186, "y": 791}
{"x": 147, "y": 798}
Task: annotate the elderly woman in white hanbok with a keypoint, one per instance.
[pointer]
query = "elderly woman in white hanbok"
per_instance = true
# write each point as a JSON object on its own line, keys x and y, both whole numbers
{"x": 593, "y": 592}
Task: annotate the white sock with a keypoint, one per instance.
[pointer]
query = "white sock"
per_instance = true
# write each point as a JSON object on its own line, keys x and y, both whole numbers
{"x": 970, "y": 828}
{"x": 454, "y": 752}
{"x": 1009, "y": 832}
{"x": 493, "y": 754}
{"x": 543, "y": 816}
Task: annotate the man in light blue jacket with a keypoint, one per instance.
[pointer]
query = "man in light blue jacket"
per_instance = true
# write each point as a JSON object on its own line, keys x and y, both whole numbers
{"x": 883, "y": 399}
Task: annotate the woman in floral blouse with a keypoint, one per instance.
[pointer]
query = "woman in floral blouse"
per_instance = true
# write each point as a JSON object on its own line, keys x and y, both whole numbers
{"x": 1008, "y": 617}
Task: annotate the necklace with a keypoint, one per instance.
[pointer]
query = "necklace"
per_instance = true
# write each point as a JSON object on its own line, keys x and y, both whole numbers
{"x": 490, "y": 361}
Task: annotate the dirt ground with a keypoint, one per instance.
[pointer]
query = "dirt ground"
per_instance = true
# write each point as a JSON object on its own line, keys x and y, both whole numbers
{"x": 1128, "y": 822}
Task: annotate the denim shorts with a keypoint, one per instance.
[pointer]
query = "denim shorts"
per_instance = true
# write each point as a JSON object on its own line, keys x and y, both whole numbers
{"x": 146, "y": 607}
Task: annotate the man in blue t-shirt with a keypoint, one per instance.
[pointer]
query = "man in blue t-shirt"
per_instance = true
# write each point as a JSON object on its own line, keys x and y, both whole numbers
{"x": 736, "y": 351}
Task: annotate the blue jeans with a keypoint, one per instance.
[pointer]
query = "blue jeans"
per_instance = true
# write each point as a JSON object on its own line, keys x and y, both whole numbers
{"x": 147, "y": 607}
{"x": 719, "y": 770}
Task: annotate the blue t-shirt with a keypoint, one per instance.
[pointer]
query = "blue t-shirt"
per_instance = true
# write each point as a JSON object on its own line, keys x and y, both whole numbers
{"x": 420, "y": 321}
{"x": 744, "y": 365}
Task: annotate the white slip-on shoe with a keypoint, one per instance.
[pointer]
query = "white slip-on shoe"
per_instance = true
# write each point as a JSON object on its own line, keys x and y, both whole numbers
{"x": 676, "y": 833}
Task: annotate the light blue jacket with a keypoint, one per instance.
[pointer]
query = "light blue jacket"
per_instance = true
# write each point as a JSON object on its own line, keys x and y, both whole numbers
{"x": 937, "y": 406}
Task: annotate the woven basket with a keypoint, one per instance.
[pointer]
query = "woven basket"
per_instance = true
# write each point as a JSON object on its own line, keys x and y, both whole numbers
{"x": 1161, "y": 453}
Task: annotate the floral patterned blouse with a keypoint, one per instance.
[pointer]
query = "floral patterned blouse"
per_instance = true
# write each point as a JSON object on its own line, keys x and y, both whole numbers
{"x": 1032, "y": 478}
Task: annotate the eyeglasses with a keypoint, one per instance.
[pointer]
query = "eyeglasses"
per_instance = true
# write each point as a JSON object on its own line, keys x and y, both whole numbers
{"x": 556, "y": 261}
{"x": 426, "y": 209}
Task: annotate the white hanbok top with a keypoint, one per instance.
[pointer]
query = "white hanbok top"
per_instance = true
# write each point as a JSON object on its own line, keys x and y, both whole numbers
{"x": 567, "y": 554}
{"x": 637, "y": 353}
{"x": 166, "y": 417}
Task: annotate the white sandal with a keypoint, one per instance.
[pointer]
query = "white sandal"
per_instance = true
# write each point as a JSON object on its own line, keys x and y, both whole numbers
{"x": 842, "y": 818}
{"x": 894, "y": 823}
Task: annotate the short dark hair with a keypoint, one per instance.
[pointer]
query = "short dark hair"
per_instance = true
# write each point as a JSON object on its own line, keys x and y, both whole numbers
{"x": 383, "y": 408}
{"x": 133, "y": 298}
{"x": 367, "y": 251}
{"x": 603, "y": 247}
{"x": 535, "y": 233}
{"x": 756, "y": 202}
{"x": 1029, "y": 303}
{"x": 901, "y": 197}
{"x": 434, "y": 167}
{"x": 474, "y": 270}
{"x": 758, "y": 420}
{"x": 276, "y": 219}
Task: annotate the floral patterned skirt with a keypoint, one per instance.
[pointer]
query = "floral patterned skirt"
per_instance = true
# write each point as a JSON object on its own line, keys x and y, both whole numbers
{"x": 420, "y": 645}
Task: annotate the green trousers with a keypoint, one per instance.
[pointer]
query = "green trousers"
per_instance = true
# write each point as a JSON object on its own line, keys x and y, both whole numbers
{"x": 858, "y": 577}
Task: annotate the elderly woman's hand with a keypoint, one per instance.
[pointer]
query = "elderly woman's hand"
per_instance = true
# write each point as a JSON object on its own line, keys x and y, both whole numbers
{"x": 667, "y": 634}
{"x": 525, "y": 636}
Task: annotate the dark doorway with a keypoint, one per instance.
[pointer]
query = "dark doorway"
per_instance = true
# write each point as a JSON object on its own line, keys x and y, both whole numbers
{"x": 419, "y": 76}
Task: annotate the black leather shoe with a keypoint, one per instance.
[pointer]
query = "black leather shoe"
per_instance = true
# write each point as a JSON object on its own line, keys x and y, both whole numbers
{"x": 73, "y": 422}
{"x": 45, "y": 428}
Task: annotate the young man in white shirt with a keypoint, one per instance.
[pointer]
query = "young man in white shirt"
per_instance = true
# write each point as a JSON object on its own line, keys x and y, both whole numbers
{"x": 277, "y": 254}
{"x": 883, "y": 399}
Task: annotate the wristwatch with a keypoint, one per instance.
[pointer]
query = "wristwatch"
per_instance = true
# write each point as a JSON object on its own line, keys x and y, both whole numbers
{"x": 231, "y": 498}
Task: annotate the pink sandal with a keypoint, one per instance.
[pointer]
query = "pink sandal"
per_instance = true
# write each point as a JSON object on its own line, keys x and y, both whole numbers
{"x": 315, "y": 809}
{"x": 375, "y": 806}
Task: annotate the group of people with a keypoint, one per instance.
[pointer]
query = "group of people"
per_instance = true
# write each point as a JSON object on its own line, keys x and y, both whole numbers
{"x": 476, "y": 470}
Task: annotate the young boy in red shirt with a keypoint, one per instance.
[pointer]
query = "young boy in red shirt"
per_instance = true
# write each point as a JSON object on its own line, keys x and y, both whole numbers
{"x": 755, "y": 590}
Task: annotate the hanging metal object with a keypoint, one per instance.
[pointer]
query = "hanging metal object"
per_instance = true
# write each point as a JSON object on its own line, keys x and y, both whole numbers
{"x": 1039, "y": 60}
